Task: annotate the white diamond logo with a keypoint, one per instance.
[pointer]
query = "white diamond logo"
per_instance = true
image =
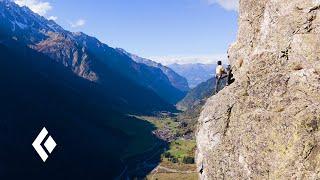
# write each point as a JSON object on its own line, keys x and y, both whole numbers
{"x": 49, "y": 144}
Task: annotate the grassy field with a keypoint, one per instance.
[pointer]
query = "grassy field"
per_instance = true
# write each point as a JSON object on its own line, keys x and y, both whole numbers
{"x": 167, "y": 170}
{"x": 162, "y": 122}
{"x": 182, "y": 148}
{"x": 172, "y": 165}
{"x": 173, "y": 176}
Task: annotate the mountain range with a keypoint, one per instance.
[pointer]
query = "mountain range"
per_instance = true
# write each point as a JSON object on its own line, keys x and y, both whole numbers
{"x": 195, "y": 73}
{"x": 81, "y": 90}
{"x": 175, "y": 79}
{"x": 197, "y": 95}
{"x": 176, "y": 86}
{"x": 89, "y": 58}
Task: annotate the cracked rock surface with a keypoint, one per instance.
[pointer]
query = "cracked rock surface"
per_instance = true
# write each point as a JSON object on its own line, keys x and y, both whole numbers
{"x": 266, "y": 124}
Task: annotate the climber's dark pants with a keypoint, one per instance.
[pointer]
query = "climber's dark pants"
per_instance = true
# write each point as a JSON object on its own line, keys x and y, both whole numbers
{"x": 218, "y": 79}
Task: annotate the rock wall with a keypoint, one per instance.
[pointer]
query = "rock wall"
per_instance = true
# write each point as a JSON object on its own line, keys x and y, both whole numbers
{"x": 266, "y": 124}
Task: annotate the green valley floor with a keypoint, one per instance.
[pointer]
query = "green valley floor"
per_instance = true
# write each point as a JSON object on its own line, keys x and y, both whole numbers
{"x": 177, "y": 156}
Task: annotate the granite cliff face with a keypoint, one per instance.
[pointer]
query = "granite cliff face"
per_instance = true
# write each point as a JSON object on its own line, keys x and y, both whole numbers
{"x": 266, "y": 124}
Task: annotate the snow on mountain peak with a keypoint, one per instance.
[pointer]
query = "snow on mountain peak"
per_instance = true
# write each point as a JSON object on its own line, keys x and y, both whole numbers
{"x": 36, "y": 6}
{"x": 22, "y": 18}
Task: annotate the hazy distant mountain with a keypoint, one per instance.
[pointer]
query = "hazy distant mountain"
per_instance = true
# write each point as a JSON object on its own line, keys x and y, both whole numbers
{"x": 170, "y": 85}
{"x": 194, "y": 73}
{"x": 175, "y": 79}
{"x": 198, "y": 94}
{"x": 89, "y": 58}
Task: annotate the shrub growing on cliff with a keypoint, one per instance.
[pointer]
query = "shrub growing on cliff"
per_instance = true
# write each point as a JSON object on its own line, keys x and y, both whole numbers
{"x": 174, "y": 160}
{"x": 188, "y": 160}
{"x": 167, "y": 155}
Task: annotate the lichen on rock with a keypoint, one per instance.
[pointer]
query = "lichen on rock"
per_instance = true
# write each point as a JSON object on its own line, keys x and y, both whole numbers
{"x": 266, "y": 124}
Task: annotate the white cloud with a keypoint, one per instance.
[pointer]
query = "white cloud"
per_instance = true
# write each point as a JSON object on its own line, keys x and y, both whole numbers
{"x": 78, "y": 23}
{"x": 36, "y": 6}
{"x": 54, "y": 18}
{"x": 181, "y": 59}
{"x": 232, "y": 5}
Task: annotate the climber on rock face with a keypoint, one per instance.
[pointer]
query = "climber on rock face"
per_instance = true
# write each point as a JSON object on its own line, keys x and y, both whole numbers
{"x": 220, "y": 74}
{"x": 219, "y": 69}
{"x": 201, "y": 169}
{"x": 224, "y": 77}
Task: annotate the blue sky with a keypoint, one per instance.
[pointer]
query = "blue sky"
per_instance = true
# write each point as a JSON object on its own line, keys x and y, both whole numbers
{"x": 164, "y": 30}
